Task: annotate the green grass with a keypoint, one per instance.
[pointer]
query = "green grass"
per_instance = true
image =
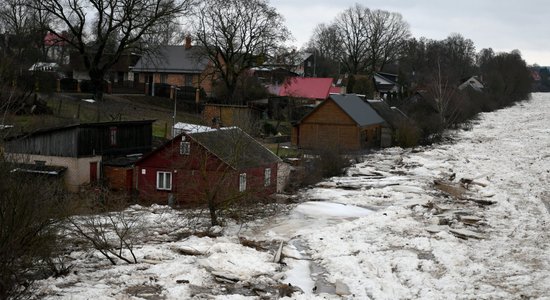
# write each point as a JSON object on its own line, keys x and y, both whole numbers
{"x": 70, "y": 109}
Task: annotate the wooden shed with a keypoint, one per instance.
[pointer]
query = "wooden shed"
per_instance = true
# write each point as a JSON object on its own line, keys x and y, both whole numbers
{"x": 341, "y": 123}
{"x": 242, "y": 116}
{"x": 81, "y": 148}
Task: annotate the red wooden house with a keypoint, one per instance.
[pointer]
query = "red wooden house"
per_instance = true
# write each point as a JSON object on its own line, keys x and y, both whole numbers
{"x": 215, "y": 165}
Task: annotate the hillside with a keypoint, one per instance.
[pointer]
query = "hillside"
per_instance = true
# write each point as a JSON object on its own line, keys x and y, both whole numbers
{"x": 74, "y": 108}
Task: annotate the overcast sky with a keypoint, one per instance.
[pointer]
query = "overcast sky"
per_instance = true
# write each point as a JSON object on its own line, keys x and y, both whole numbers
{"x": 503, "y": 25}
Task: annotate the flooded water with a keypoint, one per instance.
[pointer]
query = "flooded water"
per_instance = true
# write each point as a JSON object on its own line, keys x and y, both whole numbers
{"x": 302, "y": 271}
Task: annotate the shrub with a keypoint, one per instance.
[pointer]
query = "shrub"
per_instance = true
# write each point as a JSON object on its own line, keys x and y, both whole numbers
{"x": 30, "y": 218}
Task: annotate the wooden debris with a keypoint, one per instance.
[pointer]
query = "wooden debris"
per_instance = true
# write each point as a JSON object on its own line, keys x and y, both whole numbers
{"x": 225, "y": 277}
{"x": 469, "y": 219}
{"x": 468, "y": 181}
{"x": 252, "y": 244}
{"x": 465, "y": 234}
{"x": 450, "y": 189}
{"x": 278, "y": 255}
{"x": 480, "y": 201}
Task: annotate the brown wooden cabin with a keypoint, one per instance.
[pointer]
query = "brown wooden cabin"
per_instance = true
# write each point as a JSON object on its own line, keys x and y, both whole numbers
{"x": 343, "y": 123}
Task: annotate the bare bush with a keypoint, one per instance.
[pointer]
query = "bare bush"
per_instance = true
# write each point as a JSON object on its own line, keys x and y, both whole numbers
{"x": 322, "y": 163}
{"x": 109, "y": 228}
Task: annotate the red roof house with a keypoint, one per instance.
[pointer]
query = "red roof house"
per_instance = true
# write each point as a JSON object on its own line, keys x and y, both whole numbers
{"x": 214, "y": 165}
{"x": 307, "y": 87}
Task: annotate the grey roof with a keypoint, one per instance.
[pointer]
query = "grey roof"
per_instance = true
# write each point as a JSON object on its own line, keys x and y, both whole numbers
{"x": 393, "y": 117}
{"x": 235, "y": 147}
{"x": 38, "y": 169}
{"x": 173, "y": 59}
{"x": 362, "y": 113}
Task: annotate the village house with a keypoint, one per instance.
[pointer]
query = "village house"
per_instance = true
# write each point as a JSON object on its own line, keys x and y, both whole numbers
{"x": 342, "y": 123}
{"x": 385, "y": 84}
{"x": 211, "y": 164}
{"x": 82, "y": 148}
{"x": 178, "y": 66}
{"x": 473, "y": 83}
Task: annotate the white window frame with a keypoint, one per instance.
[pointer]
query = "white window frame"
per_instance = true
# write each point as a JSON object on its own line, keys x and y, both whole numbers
{"x": 185, "y": 148}
{"x": 113, "y": 136}
{"x": 162, "y": 183}
{"x": 267, "y": 177}
{"x": 242, "y": 182}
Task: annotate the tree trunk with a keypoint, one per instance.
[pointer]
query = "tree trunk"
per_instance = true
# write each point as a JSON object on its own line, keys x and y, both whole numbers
{"x": 213, "y": 215}
{"x": 96, "y": 77}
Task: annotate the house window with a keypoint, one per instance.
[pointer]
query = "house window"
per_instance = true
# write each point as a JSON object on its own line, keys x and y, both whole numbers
{"x": 242, "y": 182}
{"x": 185, "y": 148}
{"x": 267, "y": 177}
{"x": 112, "y": 136}
{"x": 163, "y": 78}
{"x": 164, "y": 181}
{"x": 188, "y": 80}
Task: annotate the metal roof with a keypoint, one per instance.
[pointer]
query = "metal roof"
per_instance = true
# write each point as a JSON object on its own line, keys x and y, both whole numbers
{"x": 235, "y": 147}
{"x": 362, "y": 113}
{"x": 173, "y": 59}
{"x": 306, "y": 87}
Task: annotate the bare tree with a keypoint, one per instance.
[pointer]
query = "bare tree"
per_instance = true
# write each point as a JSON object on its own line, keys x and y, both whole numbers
{"x": 445, "y": 97}
{"x": 24, "y": 30}
{"x": 327, "y": 45}
{"x": 236, "y": 35}
{"x": 354, "y": 34}
{"x": 364, "y": 40}
{"x": 388, "y": 33}
{"x": 101, "y": 31}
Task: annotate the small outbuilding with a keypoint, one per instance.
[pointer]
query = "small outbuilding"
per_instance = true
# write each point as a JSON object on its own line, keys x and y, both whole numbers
{"x": 81, "y": 148}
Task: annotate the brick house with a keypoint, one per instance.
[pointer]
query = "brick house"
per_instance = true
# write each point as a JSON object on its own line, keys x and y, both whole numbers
{"x": 180, "y": 66}
{"x": 345, "y": 122}
{"x": 215, "y": 164}
{"x": 81, "y": 148}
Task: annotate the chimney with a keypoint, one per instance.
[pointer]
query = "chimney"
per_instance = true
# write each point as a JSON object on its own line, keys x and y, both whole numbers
{"x": 187, "y": 42}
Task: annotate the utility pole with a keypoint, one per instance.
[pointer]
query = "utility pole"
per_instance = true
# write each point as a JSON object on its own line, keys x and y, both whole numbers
{"x": 174, "y": 117}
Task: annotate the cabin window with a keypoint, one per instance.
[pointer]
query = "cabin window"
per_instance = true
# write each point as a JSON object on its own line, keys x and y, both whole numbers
{"x": 112, "y": 136}
{"x": 267, "y": 177}
{"x": 185, "y": 148}
{"x": 164, "y": 181}
{"x": 242, "y": 182}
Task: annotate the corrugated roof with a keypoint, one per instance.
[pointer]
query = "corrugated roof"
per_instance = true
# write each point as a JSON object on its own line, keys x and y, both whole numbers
{"x": 362, "y": 113}
{"x": 173, "y": 59}
{"x": 306, "y": 87}
{"x": 235, "y": 147}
